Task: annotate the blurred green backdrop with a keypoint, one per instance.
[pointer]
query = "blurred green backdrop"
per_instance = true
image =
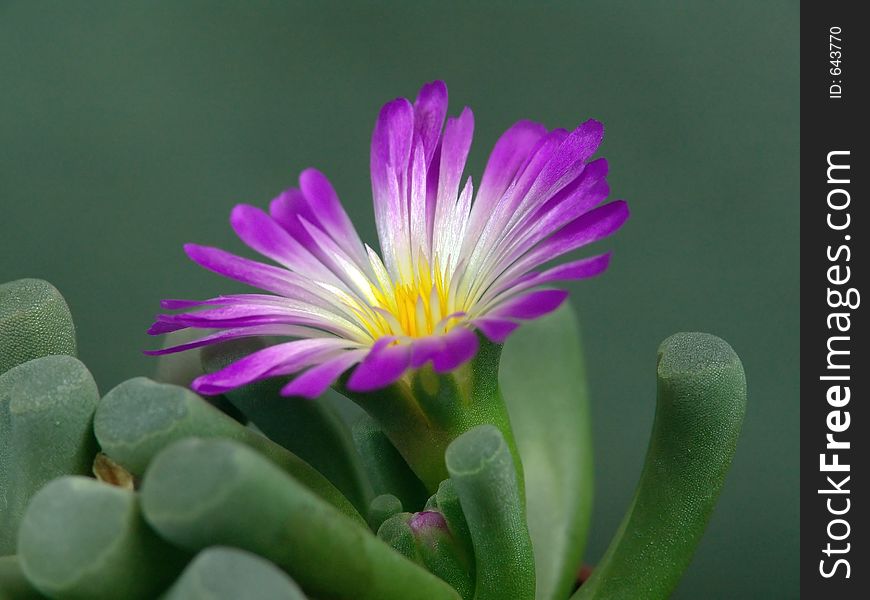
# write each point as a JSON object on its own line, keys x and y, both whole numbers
{"x": 129, "y": 128}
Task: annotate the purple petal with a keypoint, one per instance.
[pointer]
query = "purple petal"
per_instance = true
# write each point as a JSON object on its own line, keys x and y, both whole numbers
{"x": 295, "y": 216}
{"x": 162, "y": 327}
{"x": 587, "y": 190}
{"x": 251, "y": 272}
{"x": 586, "y": 229}
{"x": 454, "y": 151}
{"x": 460, "y": 346}
{"x": 530, "y": 172}
{"x": 313, "y": 382}
{"x": 329, "y": 213}
{"x": 497, "y": 330}
{"x": 421, "y": 226}
{"x": 391, "y": 143}
{"x": 509, "y": 153}
{"x": 531, "y": 305}
{"x": 286, "y": 209}
{"x": 250, "y": 314}
{"x": 281, "y": 359}
{"x": 578, "y": 269}
{"x": 390, "y": 156}
{"x": 259, "y": 231}
{"x": 232, "y": 334}
{"x": 175, "y": 304}
{"x": 424, "y": 349}
{"x": 503, "y": 185}
{"x": 568, "y": 160}
{"x": 384, "y": 364}
{"x": 430, "y": 108}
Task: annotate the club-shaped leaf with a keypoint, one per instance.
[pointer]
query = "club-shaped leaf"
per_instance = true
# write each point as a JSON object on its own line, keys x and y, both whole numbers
{"x": 382, "y": 508}
{"x": 34, "y": 321}
{"x": 200, "y": 493}
{"x": 544, "y": 385}
{"x": 140, "y": 417}
{"x": 387, "y": 471}
{"x": 13, "y": 583}
{"x": 46, "y": 430}
{"x": 84, "y": 539}
{"x": 220, "y": 573}
{"x": 699, "y": 413}
{"x": 310, "y": 429}
{"x": 482, "y": 468}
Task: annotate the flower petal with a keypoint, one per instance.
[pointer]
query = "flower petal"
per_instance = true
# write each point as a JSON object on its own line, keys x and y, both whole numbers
{"x": 454, "y": 151}
{"x": 256, "y": 274}
{"x": 430, "y": 108}
{"x": 383, "y": 365}
{"x": 259, "y": 231}
{"x": 281, "y": 359}
{"x": 509, "y": 153}
{"x": 567, "y": 162}
{"x": 586, "y": 229}
{"x": 460, "y": 346}
{"x": 531, "y": 305}
{"x": 390, "y": 155}
{"x": 288, "y": 312}
{"x": 424, "y": 349}
{"x": 330, "y": 215}
{"x": 235, "y": 333}
{"x": 497, "y": 330}
{"x": 313, "y": 382}
{"x": 570, "y": 271}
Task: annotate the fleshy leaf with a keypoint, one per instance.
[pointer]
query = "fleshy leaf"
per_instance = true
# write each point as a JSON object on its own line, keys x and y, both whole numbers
{"x": 220, "y": 573}
{"x": 34, "y": 322}
{"x": 311, "y": 429}
{"x": 140, "y": 417}
{"x": 699, "y": 412}
{"x": 13, "y": 583}
{"x": 387, "y": 471}
{"x": 382, "y": 508}
{"x": 46, "y": 430}
{"x": 483, "y": 470}
{"x": 201, "y": 493}
{"x": 544, "y": 385}
{"x": 84, "y": 539}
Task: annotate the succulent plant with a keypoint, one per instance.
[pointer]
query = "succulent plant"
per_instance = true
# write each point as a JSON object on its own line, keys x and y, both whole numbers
{"x": 154, "y": 491}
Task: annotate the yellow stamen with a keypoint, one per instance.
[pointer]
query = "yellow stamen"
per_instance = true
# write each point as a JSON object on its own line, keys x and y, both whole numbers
{"x": 417, "y": 305}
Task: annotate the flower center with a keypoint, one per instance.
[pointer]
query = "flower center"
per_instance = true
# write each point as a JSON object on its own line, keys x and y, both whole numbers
{"x": 415, "y": 308}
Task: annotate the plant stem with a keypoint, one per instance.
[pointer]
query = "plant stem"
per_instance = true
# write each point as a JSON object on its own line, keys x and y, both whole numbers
{"x": 425, "y": 411}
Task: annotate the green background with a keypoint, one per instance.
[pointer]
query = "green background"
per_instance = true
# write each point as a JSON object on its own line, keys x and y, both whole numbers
{"x": 127, "y": 129}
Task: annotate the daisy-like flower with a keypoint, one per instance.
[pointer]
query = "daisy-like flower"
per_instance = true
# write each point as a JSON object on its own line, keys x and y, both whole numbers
{"x": 454, "y": 260}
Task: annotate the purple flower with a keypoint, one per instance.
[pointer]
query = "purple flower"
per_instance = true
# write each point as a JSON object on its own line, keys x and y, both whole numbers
{"x": 448, "y": 265}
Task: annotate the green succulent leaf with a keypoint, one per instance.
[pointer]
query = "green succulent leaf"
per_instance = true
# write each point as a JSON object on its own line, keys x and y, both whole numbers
{"x": 382, "y": 508}
{"x": 699, "y": 412}
{"x": 312, "y": 430}
{"x": 483, "y": 470}
{"x": 46, "y": 430}
{"x": 200, "y": 493}
{"x": 448, "y": 504}
{"x": 84, "y": 539}
{"x": 139, "y": 417}
{"x": 34, "y": 322}
{"x": 221, "y": 573}
{"x": 13, "y": 584}
{"x": 543, "y": 382}
{"x": 425, "y": 539}
{"x": 387, "y": 471}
